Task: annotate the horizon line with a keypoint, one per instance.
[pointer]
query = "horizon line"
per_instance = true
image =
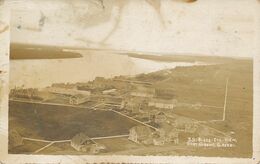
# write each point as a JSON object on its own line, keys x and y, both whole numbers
{"x": 133, "y": 51}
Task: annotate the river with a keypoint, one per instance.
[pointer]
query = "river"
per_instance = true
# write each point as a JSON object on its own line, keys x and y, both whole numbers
{"x": 44, "y": 72}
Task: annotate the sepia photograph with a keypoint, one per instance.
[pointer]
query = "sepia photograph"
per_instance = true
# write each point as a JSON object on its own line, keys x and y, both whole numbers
{"x": 133, "y": 78}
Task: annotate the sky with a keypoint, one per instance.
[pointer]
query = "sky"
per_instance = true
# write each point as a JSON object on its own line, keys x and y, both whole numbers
{"x": 215, "y": 27}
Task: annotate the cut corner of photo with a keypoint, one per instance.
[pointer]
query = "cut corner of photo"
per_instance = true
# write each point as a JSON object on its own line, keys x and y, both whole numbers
{"x": 108, "y": 81}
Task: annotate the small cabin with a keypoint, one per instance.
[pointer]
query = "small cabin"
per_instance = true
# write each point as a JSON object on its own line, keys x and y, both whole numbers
{"x": 81, "y": 142}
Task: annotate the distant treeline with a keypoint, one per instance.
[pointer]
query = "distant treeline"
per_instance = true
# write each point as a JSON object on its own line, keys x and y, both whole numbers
{"x": 24, "y": 51}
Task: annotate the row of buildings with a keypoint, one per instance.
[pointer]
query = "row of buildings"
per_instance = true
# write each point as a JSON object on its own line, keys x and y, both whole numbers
{"x": 151, "y": 95}
{"x": 167, "y": 132}
{"x": 75, "y": 96}
{"x": 145, "y": 135}
{"x": 29, "y": 93}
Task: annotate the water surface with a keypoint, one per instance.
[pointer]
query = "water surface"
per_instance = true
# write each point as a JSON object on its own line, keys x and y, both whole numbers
{"x": 44, "y": 72}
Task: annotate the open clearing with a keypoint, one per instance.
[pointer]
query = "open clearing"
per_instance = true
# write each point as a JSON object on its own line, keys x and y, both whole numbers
{"x": 51, "y": 122}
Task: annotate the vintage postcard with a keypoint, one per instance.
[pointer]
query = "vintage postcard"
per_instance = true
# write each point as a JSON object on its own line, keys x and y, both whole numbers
{"x": 137, "y": 81}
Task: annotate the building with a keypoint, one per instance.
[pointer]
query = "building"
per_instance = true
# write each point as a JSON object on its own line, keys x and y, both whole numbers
{"x": 101, "y": 83}
{"x": 145, "y": 135}
{"x": 133, "y": 104}
{"x": 28, "y": 93}
{"x": 65, "y": 91}
{"x": 100, "y": 79}
{"x": 109, "y": 91}
{"x": 145, "y": 92}
{"x": 78, "y": 99}
{"x": 160, "y": 117}
{"x": 165, "y": 93}
{"x": 81, "y": 142}
{"x": 166, "y": 134}
{"x": 196, "y": 106}
{"x": 130, "y": 106}
{"x": 141, "y": 134}
{"x": 163, "y": 104}
{"x": 169, "y": 133}
{"x": 64, "y": 85}
{"x": 97, "y": 148}
{"x": 158, "y": 141}
{"x": 185, "y": 124}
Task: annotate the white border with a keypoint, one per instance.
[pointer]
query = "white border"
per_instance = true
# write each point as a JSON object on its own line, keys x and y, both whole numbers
{"x": 5, "y": 158}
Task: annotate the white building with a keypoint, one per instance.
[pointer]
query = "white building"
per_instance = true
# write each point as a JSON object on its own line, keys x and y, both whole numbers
{"x": 78, "y": 99}
{"x": 109, "y": 91}
{"x": 163, "y": 104}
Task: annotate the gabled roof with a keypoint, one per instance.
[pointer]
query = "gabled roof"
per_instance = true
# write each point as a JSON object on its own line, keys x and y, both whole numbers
{"x": 160, "y": 113}
{"x": 78, "y": 96}
{"x": 165, "y": 101}
{"x": 144, "y": 89}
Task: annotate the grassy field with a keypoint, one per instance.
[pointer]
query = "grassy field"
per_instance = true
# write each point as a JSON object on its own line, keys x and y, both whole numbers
{"x": 60, "y": 122}
{"x": 206, "y": 85}
{"x": 28, "y": 147}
